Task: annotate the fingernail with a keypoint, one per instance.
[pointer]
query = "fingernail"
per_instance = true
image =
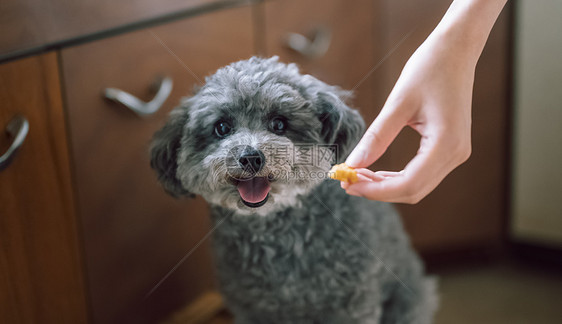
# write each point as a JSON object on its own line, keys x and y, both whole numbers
{"x": 356, "y": 156}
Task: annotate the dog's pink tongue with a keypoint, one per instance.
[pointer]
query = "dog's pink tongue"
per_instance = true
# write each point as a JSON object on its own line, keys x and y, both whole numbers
{"x": 254, "y": 190}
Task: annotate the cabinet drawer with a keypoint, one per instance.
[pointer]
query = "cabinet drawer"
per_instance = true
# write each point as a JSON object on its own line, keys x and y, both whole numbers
{"x": 41, "y": 275}
{"x": 134, "y": 233}
{"x": 345, "y": 37}
{"x": 28, "y": 24}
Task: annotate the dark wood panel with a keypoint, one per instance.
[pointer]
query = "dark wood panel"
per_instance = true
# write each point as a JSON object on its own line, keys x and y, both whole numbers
{"x": 31, "y": 23}
{"x": 351, "y": 55}
{"x": 133, "y": 232}
{"x": 41, "y": 278}
{"x": 468, "y": 208}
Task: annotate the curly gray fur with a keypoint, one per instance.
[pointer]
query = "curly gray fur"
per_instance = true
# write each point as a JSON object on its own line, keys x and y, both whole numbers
{"x": 311, "y": 253}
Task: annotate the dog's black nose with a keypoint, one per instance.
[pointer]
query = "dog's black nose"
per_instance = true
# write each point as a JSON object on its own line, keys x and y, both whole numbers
{"x": 251, "y": 160}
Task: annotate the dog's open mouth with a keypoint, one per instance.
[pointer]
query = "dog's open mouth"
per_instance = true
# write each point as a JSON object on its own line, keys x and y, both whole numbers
{"x": 254, "y": 192}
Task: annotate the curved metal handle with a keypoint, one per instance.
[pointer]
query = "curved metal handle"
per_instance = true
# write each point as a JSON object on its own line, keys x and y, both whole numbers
{"x": 314, "y": 48}
{"x": 141, "y": 108}
{"x": 17, "y": 128}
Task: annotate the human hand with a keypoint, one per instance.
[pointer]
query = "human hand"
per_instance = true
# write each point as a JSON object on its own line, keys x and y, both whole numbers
{"x": 433, "y": 95}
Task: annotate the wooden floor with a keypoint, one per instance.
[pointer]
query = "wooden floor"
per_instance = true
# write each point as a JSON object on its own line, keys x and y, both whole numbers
{"x": 505, "y": 293}
{"x": 222, "y": 318}
{"x": 501, "y": 294}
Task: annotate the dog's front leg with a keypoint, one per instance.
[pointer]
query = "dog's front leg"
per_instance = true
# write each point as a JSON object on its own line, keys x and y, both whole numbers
{"x": 415, "y": 305}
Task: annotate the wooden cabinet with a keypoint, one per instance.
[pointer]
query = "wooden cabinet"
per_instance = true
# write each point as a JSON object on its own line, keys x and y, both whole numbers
{"x": 347, "y": 57}
{"x": 32, "y": 25}
{"x": 41, "y": 274}
{"x": 133, "y": 232}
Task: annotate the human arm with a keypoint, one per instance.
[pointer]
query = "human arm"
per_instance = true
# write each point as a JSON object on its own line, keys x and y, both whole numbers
{"x": 433, "y": 95}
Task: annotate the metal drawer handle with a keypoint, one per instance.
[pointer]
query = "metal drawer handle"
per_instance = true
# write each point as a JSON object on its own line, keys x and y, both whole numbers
{"x": 17, "y": 128}
{"x": 314, "y": 48}
{"x": 141, "y": 108}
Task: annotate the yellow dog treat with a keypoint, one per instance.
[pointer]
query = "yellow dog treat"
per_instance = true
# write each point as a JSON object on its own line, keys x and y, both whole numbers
{"x": 343, "y": 172}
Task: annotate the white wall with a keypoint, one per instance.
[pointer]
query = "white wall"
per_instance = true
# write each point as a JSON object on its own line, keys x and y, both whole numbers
{"x": 537, "y": 203}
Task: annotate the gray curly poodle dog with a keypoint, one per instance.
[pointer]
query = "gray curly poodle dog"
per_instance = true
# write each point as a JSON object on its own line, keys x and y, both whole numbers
{"x": 256, "y": 141}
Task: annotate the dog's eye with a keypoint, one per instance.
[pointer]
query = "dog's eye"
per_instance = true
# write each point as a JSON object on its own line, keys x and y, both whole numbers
{"x": 222, "y": 128}
{"x": 278, "y": 125}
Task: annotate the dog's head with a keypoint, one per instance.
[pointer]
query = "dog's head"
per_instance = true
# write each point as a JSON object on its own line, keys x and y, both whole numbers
{"x": 256, "y": 136}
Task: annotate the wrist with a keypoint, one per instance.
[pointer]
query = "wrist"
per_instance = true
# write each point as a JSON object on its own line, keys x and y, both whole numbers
{"x": 466, "y": 25}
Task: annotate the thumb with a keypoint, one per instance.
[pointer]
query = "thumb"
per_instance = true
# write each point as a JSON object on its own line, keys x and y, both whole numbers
{"x": 378, "y": 137}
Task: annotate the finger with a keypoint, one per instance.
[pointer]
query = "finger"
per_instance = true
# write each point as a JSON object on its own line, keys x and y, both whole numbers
{"x": 378, "y": 136}
{"x": 426, "y": 170}
{"x": 375, "y": 190}
{"x": 371, "y": 176}
{"x": 366, "y": 174}
{"x": 360, "y": 177}
{"x": 389, "y": 174}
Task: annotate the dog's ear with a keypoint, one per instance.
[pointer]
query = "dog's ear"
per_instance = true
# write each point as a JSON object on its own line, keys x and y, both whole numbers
{"x": 164, "y": 152}
{"x": 342, "y": 126}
